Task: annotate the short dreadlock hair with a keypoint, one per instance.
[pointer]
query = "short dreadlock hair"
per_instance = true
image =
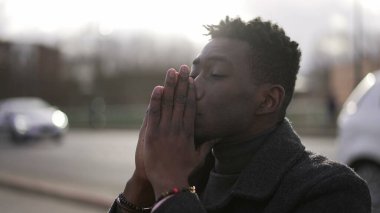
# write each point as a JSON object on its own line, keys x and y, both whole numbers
{"x": 275, "y": 58}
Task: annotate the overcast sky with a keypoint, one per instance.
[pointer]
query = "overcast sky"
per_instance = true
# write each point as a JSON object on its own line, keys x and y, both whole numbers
{"x": 304, "y": 21}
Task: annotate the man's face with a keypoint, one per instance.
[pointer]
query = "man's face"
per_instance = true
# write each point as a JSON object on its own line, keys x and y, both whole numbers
{"x": 226, "y": 94}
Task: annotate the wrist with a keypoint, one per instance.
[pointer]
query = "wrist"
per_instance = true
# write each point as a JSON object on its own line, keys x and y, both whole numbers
{"x": 167, "y": 185}
{"x": 139, "y": 191}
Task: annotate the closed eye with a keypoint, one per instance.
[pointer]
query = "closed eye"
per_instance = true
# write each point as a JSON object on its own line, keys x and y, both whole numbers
{"x": 216, "y": 75}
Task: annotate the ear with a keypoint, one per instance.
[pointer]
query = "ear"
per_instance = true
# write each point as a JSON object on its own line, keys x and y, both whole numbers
{"x": 272, "y": 98}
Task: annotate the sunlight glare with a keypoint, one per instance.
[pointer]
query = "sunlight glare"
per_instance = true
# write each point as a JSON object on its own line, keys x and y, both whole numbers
{"x": 165, "y": 17}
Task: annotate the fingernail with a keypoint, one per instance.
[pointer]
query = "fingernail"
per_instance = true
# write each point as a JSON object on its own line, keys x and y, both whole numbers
{"x": 184, "y": 73}
{"x": 156, "y": 92}
{"x": 171, "y": 73}
{"x": 183, "y": 68}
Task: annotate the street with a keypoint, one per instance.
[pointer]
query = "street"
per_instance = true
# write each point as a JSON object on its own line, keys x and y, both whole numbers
{"x": 97, "y": 162}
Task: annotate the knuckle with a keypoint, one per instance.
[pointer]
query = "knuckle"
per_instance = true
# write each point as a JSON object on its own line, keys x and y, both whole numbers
{"x": 190, "y": 104}
{"x": 184, "y": 78}
{"x": 167, "y": 103}
{"x": 180, "y": 99}
{"x": 153, "y": 110}
{"x": 189, "y": 136}
{"x": 170, "y": 84}
{"x": 176, "y": 128}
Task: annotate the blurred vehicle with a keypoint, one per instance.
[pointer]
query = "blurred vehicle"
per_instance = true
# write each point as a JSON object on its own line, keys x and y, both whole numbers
{"x": 30, "y": 117}
{"x": 359, "y": 133}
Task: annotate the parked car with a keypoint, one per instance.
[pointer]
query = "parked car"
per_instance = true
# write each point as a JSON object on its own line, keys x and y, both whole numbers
{"x": 30, "y": 117}
{"x": 359, "y": 133}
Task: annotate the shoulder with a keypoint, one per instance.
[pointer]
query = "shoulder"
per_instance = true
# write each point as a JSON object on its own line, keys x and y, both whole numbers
{"x": 321, "y": 181}
{"x": 313, "y": 169}
{"x": 317, "y": 168}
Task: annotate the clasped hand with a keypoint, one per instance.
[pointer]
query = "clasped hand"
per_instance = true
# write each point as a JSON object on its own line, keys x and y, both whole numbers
{"x": 166, "y": 153}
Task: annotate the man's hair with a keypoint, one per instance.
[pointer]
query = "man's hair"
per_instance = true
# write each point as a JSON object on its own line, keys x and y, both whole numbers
{"x": 275, "y": 58}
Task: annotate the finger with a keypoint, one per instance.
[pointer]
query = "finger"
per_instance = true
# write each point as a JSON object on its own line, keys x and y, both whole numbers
{"x": 143, "y": 126}
{"x": 190, "y": 108}
{"x": 141, "y": 140}
{"x": 154, "y": 110}
{"x": 168, "y": 96}
{"x": 181, "y": 94}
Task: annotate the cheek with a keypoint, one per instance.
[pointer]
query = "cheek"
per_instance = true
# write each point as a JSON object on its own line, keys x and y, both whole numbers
{"x": 226, "y": 110}
{"x": 234, "y": 112}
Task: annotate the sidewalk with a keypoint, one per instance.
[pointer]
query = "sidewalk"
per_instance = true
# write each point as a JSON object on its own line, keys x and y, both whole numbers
{"x": 61, "y": 191}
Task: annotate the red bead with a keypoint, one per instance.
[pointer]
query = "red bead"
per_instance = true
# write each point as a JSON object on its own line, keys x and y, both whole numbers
{"x": 175, "y": 190}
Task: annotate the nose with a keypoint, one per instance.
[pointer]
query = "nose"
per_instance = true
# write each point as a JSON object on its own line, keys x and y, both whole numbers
{"x": 199, "y": 89}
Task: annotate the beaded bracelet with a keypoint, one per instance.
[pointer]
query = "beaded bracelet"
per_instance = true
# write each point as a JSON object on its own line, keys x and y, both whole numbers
{"x": 130, "y": 207}
{"x": 175, "y": 190}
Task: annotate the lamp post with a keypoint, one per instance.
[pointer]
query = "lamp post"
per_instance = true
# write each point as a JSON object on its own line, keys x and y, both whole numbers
{"x": 357, "y": 41}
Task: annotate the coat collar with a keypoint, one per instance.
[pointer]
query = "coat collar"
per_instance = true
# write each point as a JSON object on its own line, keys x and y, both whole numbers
{"x": 275, "y": 157}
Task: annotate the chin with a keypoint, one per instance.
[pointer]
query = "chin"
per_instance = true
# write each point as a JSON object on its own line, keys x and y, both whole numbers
{"x": 198, "y": 142}
{"x": 200, "y": 139}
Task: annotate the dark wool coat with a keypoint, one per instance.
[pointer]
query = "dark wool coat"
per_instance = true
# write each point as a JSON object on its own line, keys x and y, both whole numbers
{"x": 282, "y": 177}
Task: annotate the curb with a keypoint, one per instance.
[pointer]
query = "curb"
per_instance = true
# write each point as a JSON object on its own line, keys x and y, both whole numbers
{"x": 58, "y": 191}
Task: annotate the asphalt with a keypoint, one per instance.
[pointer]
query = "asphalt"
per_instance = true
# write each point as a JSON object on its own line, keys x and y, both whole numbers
{"x": 88, "y": 168}
{"x": 69, "y": 193}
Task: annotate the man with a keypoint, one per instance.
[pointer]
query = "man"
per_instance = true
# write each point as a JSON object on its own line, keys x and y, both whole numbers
{"x": 234, "y": 100}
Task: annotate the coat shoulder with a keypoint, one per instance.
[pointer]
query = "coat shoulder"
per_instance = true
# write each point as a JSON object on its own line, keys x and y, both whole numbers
{"x": 320, "y": 182}
{"x": 313, "y": 169}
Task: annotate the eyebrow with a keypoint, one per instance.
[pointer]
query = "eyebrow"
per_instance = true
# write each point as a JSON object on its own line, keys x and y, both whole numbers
{"x": 212, "y": 58}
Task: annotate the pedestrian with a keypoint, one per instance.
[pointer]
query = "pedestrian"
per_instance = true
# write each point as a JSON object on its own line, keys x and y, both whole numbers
{"x": 234, "y": 102}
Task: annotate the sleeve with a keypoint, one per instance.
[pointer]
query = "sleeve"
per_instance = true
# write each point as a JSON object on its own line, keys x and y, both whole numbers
{"x": 184, "y": 202}
{"x": 340, "y": 193}
{"x": 115, "y": 209}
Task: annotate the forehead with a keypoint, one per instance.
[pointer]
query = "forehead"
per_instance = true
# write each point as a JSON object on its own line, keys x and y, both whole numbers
{"x": 233, "y": 50}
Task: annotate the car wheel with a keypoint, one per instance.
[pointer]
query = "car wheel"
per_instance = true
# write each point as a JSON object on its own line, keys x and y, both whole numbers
{"x": 15, "y": 137}
{"x": 370, "y": 172}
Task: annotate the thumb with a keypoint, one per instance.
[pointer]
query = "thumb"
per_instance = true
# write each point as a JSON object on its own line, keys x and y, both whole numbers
{"x": 143, "y": 126}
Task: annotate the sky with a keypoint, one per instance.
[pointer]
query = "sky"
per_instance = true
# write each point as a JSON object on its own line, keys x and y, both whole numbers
{"x": 304, "y": 21}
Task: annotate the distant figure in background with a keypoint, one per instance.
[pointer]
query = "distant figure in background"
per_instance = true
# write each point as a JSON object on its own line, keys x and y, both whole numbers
{"x": 97, "y": 109}
{"x": 331, "y": 108}
{"x": 234, "y": 101}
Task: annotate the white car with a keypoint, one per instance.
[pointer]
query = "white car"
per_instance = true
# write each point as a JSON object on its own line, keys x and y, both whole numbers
{"x": 359, "y": 133}
{"x": 31, "y": 117}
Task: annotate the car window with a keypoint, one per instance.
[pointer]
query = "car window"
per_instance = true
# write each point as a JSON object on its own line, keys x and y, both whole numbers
{"x": 359, "y": 94}
{"x": 25, "y": 104}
